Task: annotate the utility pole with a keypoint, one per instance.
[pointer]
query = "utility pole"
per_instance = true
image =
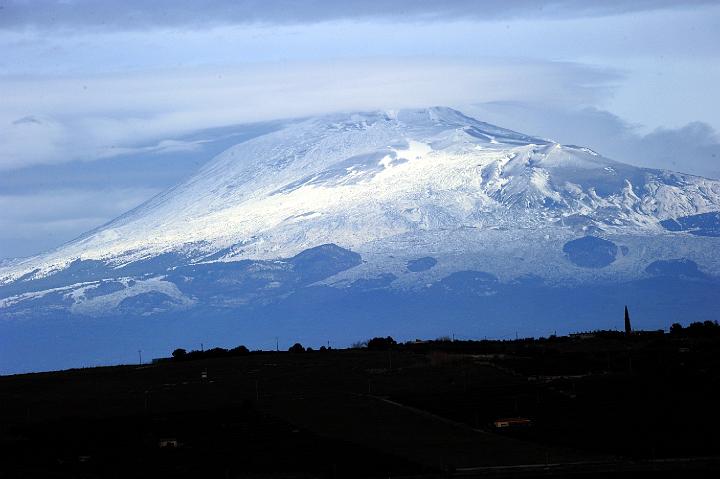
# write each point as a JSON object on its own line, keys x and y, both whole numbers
{"x": 277, "y": 344}
{"x": 202, "y": 348}
{"x": 140, "y": 354}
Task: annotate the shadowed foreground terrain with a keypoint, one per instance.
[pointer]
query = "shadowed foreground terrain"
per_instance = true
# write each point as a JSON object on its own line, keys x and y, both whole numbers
{"x": 596, "y": 405}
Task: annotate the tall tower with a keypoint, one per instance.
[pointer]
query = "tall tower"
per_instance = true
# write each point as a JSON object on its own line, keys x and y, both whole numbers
{"x": 628, "y": 328}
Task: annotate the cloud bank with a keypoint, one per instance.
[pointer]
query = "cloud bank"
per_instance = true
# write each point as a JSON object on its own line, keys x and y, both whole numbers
{"x": 54, "y": 119}
{"x": 693, "y": 148}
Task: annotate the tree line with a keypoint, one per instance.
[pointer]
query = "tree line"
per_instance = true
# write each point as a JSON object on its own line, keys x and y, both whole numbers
{"x": 696, "y": 329}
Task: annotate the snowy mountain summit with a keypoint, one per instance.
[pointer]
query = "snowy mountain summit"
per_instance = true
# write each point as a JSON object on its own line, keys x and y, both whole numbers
{"x": 398, "y": 204}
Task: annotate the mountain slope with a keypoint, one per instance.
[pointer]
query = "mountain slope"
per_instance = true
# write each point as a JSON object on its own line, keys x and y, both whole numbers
{"x": 357, "y": 179}
{"x": 405, "y": 204}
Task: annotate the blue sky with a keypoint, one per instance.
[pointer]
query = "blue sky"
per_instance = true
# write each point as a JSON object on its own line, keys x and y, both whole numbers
{"x": 104, "y": 104}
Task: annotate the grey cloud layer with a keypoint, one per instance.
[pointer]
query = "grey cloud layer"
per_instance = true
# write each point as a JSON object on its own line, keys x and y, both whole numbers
{"x": 135, "y": 14}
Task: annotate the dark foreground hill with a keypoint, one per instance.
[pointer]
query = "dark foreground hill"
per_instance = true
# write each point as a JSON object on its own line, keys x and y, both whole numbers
{"x": 595, "y": 405}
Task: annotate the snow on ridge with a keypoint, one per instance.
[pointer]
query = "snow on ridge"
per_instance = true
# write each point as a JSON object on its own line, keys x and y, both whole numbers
{"x": 132, "y": 288}
{"x": 355, "y": 179}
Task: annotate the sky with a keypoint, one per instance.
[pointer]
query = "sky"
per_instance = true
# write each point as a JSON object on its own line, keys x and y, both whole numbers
{"x": 104, "y": 104}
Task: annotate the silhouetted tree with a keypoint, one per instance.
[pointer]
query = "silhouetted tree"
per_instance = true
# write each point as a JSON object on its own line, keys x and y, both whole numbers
{"x": 194, "y": 354}
{"x": 297, "y": 348}
{"x": 239, "y": 351}
{"x": 381, "y": 343}
{"x": 179, "y": 353}
{"x": 215, "y": 353}
{"x": 704, "y": 329}
{"x": 696, "y": 329}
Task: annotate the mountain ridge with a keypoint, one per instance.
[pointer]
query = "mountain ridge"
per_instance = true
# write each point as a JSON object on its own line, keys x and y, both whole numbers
{"x": 330, "y": 156}
{"x": 409, "y": 223}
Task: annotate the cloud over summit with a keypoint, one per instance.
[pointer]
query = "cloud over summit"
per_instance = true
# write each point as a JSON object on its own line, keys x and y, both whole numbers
{"x": 111, "y": 113}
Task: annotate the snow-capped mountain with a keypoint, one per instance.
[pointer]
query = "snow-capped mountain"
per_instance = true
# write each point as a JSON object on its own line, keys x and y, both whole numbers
{"x": 410, "y": 202}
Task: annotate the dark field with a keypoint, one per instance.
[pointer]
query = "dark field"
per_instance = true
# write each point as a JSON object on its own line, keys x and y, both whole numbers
{"x": 599, "y": 406}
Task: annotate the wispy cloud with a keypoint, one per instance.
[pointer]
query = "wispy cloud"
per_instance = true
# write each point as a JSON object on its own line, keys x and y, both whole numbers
{"x": 136, "y": 14}
{"x": 51, "y": 119}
